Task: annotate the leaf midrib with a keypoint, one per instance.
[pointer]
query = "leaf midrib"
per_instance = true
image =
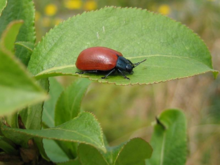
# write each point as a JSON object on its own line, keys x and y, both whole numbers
{"x": 76, "y": 133}
{"x": 147, "y": 56}
{"x": 162, "y": 149}
{"x": 34, "y": 134}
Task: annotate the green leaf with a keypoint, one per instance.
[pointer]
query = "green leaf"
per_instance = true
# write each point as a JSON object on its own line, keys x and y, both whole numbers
{"x": 55, "y": 90}
{"x": 9, "y": 36}
{"x": 2, "y": 5}
{"x": 122, "y": 154}
{"x": 71, "y": 162}
{"x": 12, "y": 120}
{"x": 68, "y": 104}
{"x": 84, "y": 129}
{"x": 89, "y": 155}
{"x": 20, "y": 10}
{"x": 54, "y": 152}
{"x": 169, "y": 139}
{"x": 7, "y": 146}
{"x": 68, "y": 107}
{"x": 48, "y": 118}
{"x": 32, "y": 118}
{"x": 18, "y": 88}
{"x": 127, "y": 155}
{"x": 18, "y": 139}
{"x": 28, "y": 45}
{"x": 171, "y": 49}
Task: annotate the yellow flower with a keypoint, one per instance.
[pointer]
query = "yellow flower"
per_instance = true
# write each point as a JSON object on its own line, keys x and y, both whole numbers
{"x": 90, "y": 5}
{"x": 37, "y": 16}
{"x": 50, "y": 9}
{"x": 164, "y": 9}
{"x": 73, "y": 4}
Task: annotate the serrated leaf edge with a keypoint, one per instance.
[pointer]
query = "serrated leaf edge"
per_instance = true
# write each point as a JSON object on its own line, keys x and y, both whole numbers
{"x": 144, "y": 10}
{"x": 119, "y": 84}
{"x": 129, "y": 8}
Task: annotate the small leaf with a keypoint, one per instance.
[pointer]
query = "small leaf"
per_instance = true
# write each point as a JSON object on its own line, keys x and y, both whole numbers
{"x": 18, "y": 88}
{"x": 169, "y": 139}
{"x": 54, "y": 152}
{"x": 127, "y": 155}
{"x": 84, "y": 129}
{"x": 10, "y": 34}
{"x": 90, "y": 155}
{"x": 55, "y": 90}
{"x": 7, "y": 146}
{"x": 172, "y": 50}
{"x": 2, "y": 5}
{"x": 68, "y": 104}
{"x": 69, "y": 148}
{"x": 20, "y": 10}
{"x": 122, "y": 154}
{"x": 12, "y": 120}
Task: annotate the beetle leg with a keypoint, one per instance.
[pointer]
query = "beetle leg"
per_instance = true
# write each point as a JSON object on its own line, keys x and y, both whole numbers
{"x": 80, "y": 72}
{"x": 108, "y": 74}
{"x": 123, "y": 74}
{"x": 87, "y": 71}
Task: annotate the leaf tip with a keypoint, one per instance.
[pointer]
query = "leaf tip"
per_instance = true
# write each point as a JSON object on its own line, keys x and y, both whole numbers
{"x": 158, "y": 122}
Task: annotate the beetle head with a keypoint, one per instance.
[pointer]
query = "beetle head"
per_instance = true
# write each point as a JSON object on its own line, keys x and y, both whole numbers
{"x": 129, "y": 68}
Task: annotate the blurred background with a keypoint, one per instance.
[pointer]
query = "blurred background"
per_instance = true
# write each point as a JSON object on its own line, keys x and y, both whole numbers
{"x": 129, "y": 111}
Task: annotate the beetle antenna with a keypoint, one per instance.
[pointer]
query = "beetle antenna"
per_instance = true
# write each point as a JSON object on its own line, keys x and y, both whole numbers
{"x": 136, "y": 64}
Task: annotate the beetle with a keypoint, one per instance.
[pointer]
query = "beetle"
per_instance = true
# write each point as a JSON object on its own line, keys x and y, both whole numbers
{"x": 103, "y": 59}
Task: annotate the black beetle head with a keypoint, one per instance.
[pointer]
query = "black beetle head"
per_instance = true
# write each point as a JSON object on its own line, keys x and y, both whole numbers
{"x": 129, "y": 68}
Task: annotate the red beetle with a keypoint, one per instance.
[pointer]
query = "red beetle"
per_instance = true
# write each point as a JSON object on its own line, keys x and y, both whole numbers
{"x": 102, "y": 59}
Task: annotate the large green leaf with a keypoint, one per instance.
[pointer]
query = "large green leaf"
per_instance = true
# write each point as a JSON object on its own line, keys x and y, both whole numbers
{"x": 171, "y": 49}
{"x": 169, "y": 139}
{"x": 2, "y": 5}
{"x": 122, "y": 154}
{"x": 20, "y": 10}
{"x": 18, "y": 88}
{"x": 68, "y": 104}
{"x": 84, "y": 129}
